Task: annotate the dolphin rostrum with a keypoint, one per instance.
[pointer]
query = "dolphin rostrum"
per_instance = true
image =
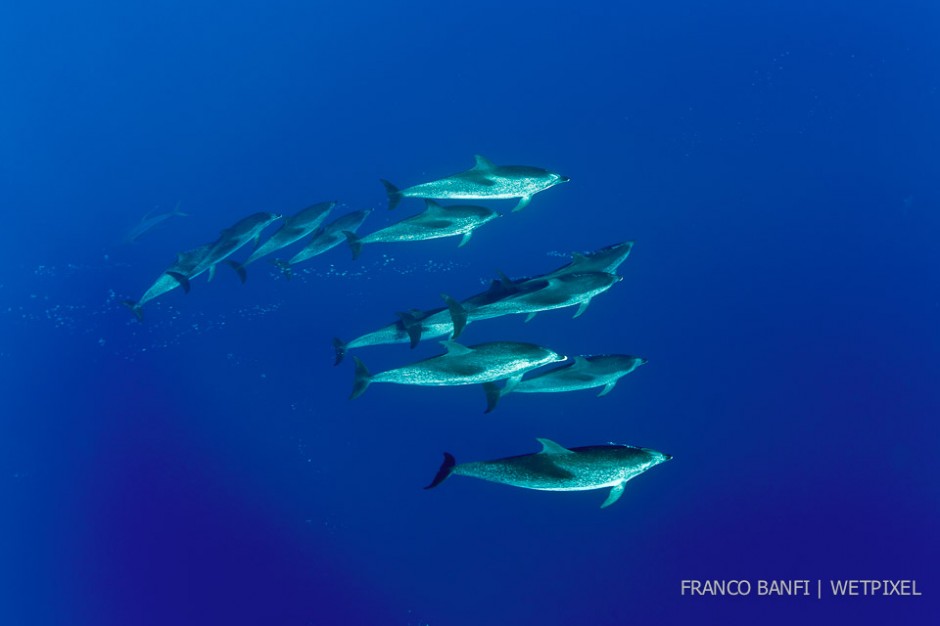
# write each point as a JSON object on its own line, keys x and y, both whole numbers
{"x": 556, "y": 468}
{"x": 584, "y": 372}
{"x": 326, "y": 237}
{"x": 463, "y": 365}
{"x": 606, "y": 259}
{"x": 434, "y": 222}
{"x": 485, "y": 181}
{"x": 294, "y": 228}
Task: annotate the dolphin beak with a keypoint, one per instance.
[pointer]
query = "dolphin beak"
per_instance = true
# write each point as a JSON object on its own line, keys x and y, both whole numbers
{"x": 563, "y": 179}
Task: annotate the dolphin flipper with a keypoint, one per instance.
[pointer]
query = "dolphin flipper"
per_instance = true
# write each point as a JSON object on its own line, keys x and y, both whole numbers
{"x": 492, "y": 396}
{"x": 465, "y": 239}
{"x": 614, "y": 495}
{"x": 582, "y": 308}
{"x": 607, "y": 389}
{"x": 447, "y": 467}
{"x": 523, "y": 203}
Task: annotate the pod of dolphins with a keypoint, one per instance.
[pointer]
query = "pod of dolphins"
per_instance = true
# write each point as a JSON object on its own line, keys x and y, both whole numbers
{"x": 500, "y": 367}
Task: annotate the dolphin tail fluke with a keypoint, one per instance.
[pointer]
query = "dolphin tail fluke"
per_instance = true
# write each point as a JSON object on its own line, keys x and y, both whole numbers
{"x": 239, "y": 269}
{"x": 458, "y": 314}
{"x": 284, "y": 266}
{"x": 339, "y": 347}
{"x": 355, "y": 243}
{"x": 362, "y": 380}
{"x": 394, "y": 195}
{"x": 182, "y": 280}
{"x": 493, "y": 394}
{"x": 135, "y": 309}
{"x": 412, "y": 326}
{"x": 447, "y": 468}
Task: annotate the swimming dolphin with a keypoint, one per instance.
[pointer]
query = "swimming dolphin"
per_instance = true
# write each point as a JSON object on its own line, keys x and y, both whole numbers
{"x": 537, "y": 295}
{"x": 230, "y": 241}
{"x": 463, "y": 365}
{"x": 434, "y": 222}
{"x": 414, "y": 325}
{"x": 584, "y": 372}
{"x": 606, "y": 259}
{"x": 327, "y": 237}
{"x": 556, "y": 468}
{"x": 186, "y": 263}
{"x": 485, "y": 181}
{"x": 149, "y": 221}
{"x": 294, "y": 228}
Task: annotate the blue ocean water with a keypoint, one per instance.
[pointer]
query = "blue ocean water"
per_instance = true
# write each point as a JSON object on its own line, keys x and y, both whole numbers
{"x": 775, "y": 163}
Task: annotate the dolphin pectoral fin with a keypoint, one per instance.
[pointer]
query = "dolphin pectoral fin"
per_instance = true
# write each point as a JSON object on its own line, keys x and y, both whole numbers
{"x": 361, "y": 380}
{"x": 465, "y": 239}
{"x": 614, "y": 495}
{"x": 455, "y": 349}
{"x": 182, "y": 280}
{"x": 458, "y": 315}
{"x": 256, "y": 240}
{"x": 523, "y": 203}
{"x": 582, "y": 308}
{"x": 394, "y": 195}
{"x": 447, "y": 468}
{"x": 412, "y": 326}
{"x": 550, "y": 447}
{"x": 530, "y": 317}
{"x": 211, "y": 273}
{"x": 492, "y": 396}
{"x": 511, "y": 383}
{"x": 239, "y": 269}
{"x": 607, "y": 389}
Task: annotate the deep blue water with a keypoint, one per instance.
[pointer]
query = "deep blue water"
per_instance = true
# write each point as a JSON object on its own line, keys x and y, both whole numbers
{"x": 776, "y": 164}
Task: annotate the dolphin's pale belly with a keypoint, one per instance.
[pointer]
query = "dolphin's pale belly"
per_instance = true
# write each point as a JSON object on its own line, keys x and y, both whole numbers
{"x": 456, "y": 370}
{"x": 318, "y": 245}
{"x": 543, "y": 473}
{"x": 475, "y": 188}
{"x": 565, "y": 381}
{"x": 162, "y": 285}
{"x": 421, "y": 231}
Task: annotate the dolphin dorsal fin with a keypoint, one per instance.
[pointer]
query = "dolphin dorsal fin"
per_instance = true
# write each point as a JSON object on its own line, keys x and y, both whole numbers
{"x": 482, "y": 163}
{"x": 430, "y": 205}
{"x": 579, "y": 362}
{"x": 455, "y": 349}
{"x": 550, "y": 447}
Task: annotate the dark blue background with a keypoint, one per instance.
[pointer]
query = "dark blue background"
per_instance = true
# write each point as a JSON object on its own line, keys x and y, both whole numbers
{"x": 775, "y": 162}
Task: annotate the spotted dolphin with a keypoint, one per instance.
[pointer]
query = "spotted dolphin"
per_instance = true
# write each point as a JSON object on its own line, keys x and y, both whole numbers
{"x": 186, "y": 263}
{"x": 149, "y": 222}
{"x": 583, "y": 372}
{"x": 484, "y": 181}
{"x": 434, "y": 222}
{"x": 326, "y": 238}
{"x": 294, "y": 228}
{"x": 463, "y": 365}
{"x": 556, "y": 468}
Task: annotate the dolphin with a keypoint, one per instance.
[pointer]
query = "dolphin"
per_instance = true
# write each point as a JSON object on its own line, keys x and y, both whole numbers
{"x": 556, "y": 468}
{"x": 535, "y": 295}
{"x": 294, "y": 228}
{"x": 606, "y": 259}
{"x": 326, "y": 237}
{"x": 230, "y": 241}
{"x": 186, "y": 263}
{"x": 434, "y": 222}
{"x": 463, "y": 365}
{"x": 414, "y": 325}
{"x": 149, "y": 221}
{"x": 484, "y": 181}
{"x": 584, "y": 372}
